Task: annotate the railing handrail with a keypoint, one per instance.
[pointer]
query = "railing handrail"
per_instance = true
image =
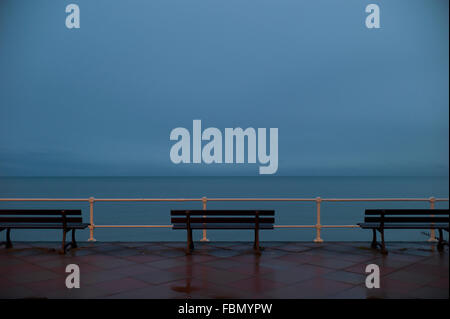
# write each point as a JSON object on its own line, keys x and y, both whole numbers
{"x": 380, "y": 199}
{"x": 318, "y": 200}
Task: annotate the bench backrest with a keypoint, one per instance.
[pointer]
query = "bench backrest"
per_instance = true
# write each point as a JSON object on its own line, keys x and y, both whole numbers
{"x": 223, "y": 216}
{"x": 31, "y": 216}
{"x": 406, "y": 216}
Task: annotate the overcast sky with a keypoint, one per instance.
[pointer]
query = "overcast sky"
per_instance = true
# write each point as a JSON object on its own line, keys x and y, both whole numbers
{"x": 102, "y": 100}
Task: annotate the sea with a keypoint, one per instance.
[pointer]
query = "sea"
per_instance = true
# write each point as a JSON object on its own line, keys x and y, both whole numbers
{"x": 158, "y": 213}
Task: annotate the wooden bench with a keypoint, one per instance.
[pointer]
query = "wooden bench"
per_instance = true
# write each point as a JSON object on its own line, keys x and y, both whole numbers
{"x": 381, "y": 219}
{"x": 222, "y": 219}
{"x": 67, "y": 220}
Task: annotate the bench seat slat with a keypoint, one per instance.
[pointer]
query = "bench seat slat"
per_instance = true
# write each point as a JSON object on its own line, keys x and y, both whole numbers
{"x": 223, "y": 212}
{"x": 262, "y": 220}
{"x": 39, "y": 219}
{"x": 42, "y": 225}
{"x": 40, "y": 212}
{"x": 407, "y": 219}
{"x": 406, "y": 212}
{"x": 406, "y": 225}
{"x": 222, "y": 226}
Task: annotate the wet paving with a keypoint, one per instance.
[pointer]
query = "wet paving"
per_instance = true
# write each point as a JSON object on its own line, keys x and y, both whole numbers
{"x": 288, "y": 270}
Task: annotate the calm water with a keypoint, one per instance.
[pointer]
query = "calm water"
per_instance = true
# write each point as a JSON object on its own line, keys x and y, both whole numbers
{"x": 195, "y": 187}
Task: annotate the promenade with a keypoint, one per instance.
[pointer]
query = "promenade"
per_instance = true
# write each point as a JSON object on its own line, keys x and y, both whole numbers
{"x": 223, "y": 270}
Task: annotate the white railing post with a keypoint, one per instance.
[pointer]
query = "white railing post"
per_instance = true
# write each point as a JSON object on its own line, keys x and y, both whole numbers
{"x": 204, "y": 238}
{"x": 432, "y": 232}
{"x": 91, "y": 218}
{"x": 318, "y": 224}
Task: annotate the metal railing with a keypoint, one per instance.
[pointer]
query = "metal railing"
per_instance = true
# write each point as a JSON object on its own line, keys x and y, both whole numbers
{"x": 204, "y": 200}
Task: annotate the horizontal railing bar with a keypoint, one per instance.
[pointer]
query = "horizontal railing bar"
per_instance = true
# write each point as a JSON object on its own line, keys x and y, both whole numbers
{"x": 340, "y": 226}
{"x": 261, "y": 199}
{"x": 326, "y": 199}
{"x": 133, "y": 226}
{"x": 101, "y": 199}
{"x": 315, "y": 226}
{"x": 383, "y": 199}
{"x": 275, "y": 226}
{"x": 294, "y": 226}
{"x": 148, "y": 199}
{"x": 44, "y": 199}
{"x": 223, "y": 199}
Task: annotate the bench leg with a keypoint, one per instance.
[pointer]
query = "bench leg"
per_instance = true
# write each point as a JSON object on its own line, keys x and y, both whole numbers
{"x": 383, "y": 244}
{"x": 190, "y": 243}
{"x": 63, "y": 249}
{"x": 8, "y": 238}
{"x": 256, "y": 243}
{"x": 74, "y": 242}
{"x": 441, "y": 243}
{"x": 374, "y": 239}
